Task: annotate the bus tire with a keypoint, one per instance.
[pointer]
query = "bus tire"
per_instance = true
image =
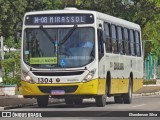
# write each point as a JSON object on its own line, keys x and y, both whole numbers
{"x": 42, "y": 101}
{"x": 69, "y": 101}
{"x": 118, "y": 99}
{"x": 101, "y": 101}
{"x": 127, "y": 97}
{"x": 78, "y": 101}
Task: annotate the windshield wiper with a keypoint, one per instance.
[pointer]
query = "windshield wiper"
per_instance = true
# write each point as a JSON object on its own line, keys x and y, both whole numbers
{"x": 65, "y": 37}
{"x": 68, "y": 35}
{"x": 46, "y": 33}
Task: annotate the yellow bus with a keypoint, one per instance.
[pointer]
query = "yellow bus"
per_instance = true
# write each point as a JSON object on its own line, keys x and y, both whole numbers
{"x": 76, "y": 54}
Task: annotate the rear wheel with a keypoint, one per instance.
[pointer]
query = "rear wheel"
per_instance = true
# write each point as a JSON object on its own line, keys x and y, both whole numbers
{"x": 101, "y": 101}
{"x": 69, "y": 101}
{"x": 127, "y": 97}
{"x": 42, "y": 101}
{"x": 118, "y": 99}
{"x": 78, "y": 101}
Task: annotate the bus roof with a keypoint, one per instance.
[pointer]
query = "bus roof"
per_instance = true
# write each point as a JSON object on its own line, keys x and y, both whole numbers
{"x": 99, "y": 15}
{"x": 117, "y": 21}
{"x": 69, "y": 10}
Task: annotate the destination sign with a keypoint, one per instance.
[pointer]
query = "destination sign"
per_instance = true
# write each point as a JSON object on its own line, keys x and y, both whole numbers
{"x": 59, "y": 19}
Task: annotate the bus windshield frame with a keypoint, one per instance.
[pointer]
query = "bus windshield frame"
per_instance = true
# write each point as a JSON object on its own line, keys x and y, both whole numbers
{"x": 56, "y": 53}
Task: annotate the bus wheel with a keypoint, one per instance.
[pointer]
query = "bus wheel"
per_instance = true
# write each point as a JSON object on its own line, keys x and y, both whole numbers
{"x": 69, "y": 101}
{"x": 127, "y": 97}
{"x": 42, "y": 101}
{"x": 78, "y": 101}
{"x": 101, "y": 101}
{"x": 118, "y": 99}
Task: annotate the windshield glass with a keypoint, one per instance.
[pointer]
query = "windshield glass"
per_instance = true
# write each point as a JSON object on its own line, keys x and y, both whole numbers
{"x": 49, "y": 47}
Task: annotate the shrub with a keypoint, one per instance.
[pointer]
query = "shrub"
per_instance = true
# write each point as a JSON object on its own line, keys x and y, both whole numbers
{"x": 148, "y": 82}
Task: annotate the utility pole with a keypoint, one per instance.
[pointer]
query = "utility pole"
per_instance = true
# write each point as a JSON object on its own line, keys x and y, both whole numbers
{"x": 2, "y": 49}
{"x": 155, "y": 70}
{"x": 2, "y": 58}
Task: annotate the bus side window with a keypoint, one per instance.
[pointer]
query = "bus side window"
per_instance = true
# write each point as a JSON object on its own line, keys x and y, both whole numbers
{"x": 107, "y": 39}
{"x": 114, "y": 39}
{"x": 120, "y": 40}
{"x": 126, "y": 39}
{"x": 138, "y": 45}
{"x": 131, "y": 38}
{"x": 100, "y": 44}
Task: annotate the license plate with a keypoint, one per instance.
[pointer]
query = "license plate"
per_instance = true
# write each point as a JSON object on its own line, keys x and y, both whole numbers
{"x": 57, "y": 92}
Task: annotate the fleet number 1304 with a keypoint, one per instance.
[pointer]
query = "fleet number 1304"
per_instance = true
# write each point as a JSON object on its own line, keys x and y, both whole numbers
{"x": 45, "y": 80}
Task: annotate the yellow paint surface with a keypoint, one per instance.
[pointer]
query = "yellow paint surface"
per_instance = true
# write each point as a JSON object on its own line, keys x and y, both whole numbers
{"x": 93, "y": 87}
{"x": 137, "y": 84}
{"x": 88, "y": 88}
{"x": 119, "y": 86}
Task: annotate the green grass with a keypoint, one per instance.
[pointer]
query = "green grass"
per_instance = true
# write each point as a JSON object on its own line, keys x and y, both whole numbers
{"x": 148, "y": 82}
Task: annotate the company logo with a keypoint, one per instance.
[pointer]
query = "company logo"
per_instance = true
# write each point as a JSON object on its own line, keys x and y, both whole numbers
{"x": 6, "y": 114}
{"x": 57, "y": 80}
{"x": 21, "y": 114}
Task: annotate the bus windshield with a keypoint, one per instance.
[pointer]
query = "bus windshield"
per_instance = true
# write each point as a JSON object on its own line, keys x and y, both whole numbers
{"x": 48, "y": 48}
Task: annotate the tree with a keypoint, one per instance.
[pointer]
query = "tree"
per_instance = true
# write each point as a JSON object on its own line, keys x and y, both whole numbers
{"x": 12, "y": 12}
{"x": 11, "y": 65}
{"x": 143, "y": 12}
{"x": 151, "y": 32}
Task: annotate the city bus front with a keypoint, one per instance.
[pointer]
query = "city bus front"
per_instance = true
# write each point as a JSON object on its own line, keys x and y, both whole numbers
{"x": 58, "y": 55}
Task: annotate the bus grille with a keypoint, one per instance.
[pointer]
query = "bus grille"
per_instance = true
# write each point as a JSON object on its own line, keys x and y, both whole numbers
{"x": 58, "y": 73}
{"x": 67, "y": 89}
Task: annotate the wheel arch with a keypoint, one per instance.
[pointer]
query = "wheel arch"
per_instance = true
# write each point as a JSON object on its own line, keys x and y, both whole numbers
{"x": 108, "y": 82}
{"x": 131, "y": 79}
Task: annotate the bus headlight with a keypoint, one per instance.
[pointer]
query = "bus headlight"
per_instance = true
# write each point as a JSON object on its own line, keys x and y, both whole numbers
{"x": 89, "y": 76}
{"x": 28, "y": 78}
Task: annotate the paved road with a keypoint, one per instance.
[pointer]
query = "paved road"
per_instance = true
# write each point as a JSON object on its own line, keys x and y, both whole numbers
{"x": 140, "y": 103}
{"x": 147, "y": 104}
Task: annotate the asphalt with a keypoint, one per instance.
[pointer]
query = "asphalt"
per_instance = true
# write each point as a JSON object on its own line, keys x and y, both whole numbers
{"x": 16, "y": 101}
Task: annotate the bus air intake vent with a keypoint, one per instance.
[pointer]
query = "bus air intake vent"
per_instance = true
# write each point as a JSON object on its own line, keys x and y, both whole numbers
{"x": 67, "y": 89}
{"x": 70, "y": 73}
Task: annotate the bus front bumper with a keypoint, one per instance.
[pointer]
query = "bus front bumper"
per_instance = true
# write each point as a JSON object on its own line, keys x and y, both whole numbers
{"x": 93, "y": 87}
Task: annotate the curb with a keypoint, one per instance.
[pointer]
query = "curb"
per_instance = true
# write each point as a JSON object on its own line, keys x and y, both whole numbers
{"x": 146, "y": 94}
{"x": 17, "y": 106}
{"x": 149, "y": 89}
{"x": 1, "y": 108}
{"x": 152, "y": 93}
{"x": 151, "y": 85}
{"x": 12, "y": 96}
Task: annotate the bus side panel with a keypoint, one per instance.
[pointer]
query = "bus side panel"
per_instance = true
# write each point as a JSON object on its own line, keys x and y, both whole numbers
{"x": 101, "y": 86}
{"x": 119, "y": 86}
{"x": 137, "y": 84}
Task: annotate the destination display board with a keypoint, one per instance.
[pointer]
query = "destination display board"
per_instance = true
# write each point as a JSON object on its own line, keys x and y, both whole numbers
{"x": 59, "y": 19}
